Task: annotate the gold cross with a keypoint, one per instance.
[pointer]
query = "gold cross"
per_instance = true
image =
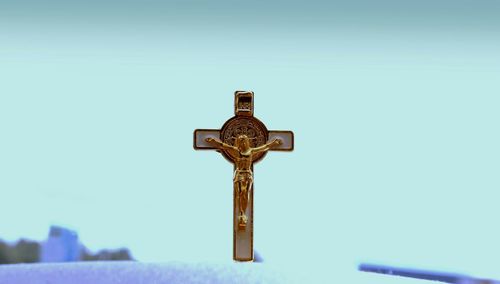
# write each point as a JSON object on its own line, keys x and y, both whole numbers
{"x": 243, "y": 140}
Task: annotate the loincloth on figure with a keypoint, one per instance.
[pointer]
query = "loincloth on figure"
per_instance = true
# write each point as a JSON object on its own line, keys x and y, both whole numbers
{"x": 243, "y": 175}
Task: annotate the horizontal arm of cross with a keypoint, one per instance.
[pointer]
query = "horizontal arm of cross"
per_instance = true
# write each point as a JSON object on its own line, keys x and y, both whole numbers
{"x": 200, "y": 136}
{"x": 286, "y": 137}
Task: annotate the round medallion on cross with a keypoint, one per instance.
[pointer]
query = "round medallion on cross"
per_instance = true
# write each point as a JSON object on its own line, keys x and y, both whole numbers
{"x": 250, "y": 126}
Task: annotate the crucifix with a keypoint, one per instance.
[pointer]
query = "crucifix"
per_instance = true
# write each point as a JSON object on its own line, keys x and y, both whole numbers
{"x": 243, "y": 140}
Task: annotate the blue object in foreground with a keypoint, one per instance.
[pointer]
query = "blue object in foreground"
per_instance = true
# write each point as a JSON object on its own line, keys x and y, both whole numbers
{"x": 61, "y": 246}
{"x": 425, "y": 275}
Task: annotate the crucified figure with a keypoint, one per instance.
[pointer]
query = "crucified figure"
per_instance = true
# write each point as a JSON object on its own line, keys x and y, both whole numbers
{"x": 243, "y": 176}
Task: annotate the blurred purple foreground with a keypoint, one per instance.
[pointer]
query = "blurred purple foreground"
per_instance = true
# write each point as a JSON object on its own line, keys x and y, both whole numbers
{"x": 133, "y": 272}
{"x": 129, "y": 272}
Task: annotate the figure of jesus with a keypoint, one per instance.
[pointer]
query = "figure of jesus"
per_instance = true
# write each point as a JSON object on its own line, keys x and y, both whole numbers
{"x": 243, "y": 176}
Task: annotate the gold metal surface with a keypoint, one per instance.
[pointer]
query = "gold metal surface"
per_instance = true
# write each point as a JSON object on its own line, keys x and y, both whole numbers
{"x": 243, "y": 103}
{"x": 243, "y": 140}
{"x": 243, "y": 175}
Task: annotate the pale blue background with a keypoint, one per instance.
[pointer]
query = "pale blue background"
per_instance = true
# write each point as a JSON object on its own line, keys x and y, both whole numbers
{"x": 394, "y": 105}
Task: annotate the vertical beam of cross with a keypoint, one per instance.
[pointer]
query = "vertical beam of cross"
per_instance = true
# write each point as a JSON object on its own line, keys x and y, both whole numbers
{"x": 243, "y": 140}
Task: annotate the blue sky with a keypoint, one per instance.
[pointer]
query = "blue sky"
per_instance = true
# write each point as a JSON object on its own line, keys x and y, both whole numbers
{"x": 394, "y": 106}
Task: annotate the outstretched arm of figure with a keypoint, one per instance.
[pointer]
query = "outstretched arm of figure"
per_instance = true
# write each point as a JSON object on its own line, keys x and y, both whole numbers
{"x": 219, "y": 144}
{"x": 266, "y": 147}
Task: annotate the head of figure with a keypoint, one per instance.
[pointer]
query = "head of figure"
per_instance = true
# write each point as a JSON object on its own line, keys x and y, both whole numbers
{"x": 242, "y": 142}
